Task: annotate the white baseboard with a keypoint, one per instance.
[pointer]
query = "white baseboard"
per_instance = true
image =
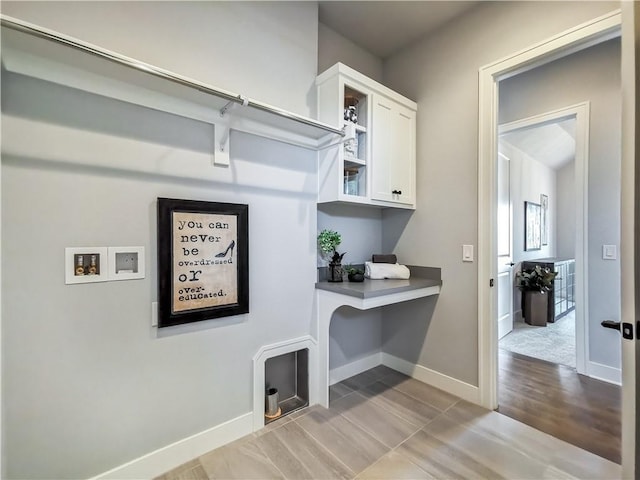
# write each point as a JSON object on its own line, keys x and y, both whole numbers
{"x": 166, "y": 458}
{"x": 350, "y": 369}
{"x": 431, "y": 377}
{"x": 605, "y": 373}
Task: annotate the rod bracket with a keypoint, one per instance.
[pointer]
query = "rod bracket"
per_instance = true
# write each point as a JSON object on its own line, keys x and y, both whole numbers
{"x": 244, "y": 101}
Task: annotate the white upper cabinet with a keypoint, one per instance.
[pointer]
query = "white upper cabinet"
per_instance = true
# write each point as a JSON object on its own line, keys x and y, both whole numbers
{"x": 377, "y": 164}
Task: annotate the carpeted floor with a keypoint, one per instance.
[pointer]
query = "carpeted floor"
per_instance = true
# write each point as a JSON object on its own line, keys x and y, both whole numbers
{"x": 555, "y": 343}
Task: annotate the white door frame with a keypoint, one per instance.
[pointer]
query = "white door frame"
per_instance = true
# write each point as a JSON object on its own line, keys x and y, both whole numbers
{"x": 580, "y": 112}
{"x": 629, "y": 236}
{"x": 575, "y": 39}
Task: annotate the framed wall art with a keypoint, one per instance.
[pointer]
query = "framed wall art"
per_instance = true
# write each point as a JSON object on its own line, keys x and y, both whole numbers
{"x": 203, "y": 260}
{"x": 532, "y": 231}
{"x": 544, "y": 222}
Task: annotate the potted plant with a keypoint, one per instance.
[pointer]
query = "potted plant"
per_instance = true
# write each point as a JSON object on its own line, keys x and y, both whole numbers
{"x": 535, "y": 284}
{"x": 354, "y": 274}
{"x": 328, "y": 240}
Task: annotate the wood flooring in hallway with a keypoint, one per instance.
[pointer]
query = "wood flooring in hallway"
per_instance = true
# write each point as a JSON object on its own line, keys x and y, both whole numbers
{"x": 384, "y": 425}
{"x": 557, "y": 400}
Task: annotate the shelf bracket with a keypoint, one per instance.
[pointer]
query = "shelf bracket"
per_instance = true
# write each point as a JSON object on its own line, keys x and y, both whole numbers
{"x": 221, "y": 140}
{"x": 222, "y": 129}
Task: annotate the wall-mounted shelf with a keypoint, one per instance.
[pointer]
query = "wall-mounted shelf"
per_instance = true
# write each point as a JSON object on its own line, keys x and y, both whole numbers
{"x": 35, "y": 51}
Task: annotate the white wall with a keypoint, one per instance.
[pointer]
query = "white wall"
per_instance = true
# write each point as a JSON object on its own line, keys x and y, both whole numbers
{"x": 592, "y": 75}
{"x": 529, "y": 179}
{"x": 333, "y": 48}
{"x": 566, "y": 211}
{"x": 441, "y": 74}
{"x": 88, "y": 384}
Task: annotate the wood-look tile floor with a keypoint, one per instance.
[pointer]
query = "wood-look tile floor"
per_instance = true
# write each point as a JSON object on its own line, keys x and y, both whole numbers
{"x": 384, "y": 425}
{"x": 557, "y": 400}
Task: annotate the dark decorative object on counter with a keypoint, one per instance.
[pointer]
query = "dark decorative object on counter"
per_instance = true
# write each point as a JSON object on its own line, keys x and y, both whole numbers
{"x": 535, "y": 285}
{"x": 354, "y": 274}
{"x": 328, "y": 240}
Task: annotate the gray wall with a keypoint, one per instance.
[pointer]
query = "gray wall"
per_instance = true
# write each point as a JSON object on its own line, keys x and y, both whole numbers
{"x": 333, "y": 47}
{"x": 88, "y": 384}
{"x": 267, "y": 51}
{"x": 592, "y": 75}
{"x": 353, "y": 334}
{"x": 566, "y": 211}
{"x": 441, "y": 74}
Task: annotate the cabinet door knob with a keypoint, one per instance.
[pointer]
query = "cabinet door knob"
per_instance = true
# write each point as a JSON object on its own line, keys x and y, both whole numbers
{"x": 396, "y": 192}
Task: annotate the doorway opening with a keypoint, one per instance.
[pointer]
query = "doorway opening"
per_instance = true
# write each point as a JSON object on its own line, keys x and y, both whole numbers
{"x": 575, "y": 41}
{"x": 537, "y": 165}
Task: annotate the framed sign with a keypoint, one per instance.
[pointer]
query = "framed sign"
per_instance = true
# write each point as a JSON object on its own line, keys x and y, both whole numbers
{"x": 203, "y": 260}
{"x": 532, "y": 231}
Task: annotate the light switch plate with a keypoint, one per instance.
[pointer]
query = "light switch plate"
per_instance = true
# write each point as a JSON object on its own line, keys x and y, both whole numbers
{"x": 609, "y": 252}
{"x": 467, "y": 253}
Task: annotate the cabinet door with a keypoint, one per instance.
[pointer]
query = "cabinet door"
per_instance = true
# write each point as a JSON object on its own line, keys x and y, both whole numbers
{"x": 392, "y": 152}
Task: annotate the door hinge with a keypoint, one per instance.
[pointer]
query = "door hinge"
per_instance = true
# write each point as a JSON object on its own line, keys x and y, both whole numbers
{"x": 491, "y": 282}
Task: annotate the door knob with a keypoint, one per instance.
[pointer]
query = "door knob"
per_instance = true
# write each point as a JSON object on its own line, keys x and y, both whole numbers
{"x": 511, "y": 264}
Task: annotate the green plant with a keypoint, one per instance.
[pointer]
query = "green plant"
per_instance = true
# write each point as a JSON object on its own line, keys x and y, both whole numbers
{"x": 328, "y": 240}
{"x": 351, "y": 270}
{"x": 538, "y": 279}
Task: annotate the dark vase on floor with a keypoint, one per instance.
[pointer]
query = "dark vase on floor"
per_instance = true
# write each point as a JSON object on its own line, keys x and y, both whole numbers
{"x": 334, "y": 272}
{"x": 535, "y": 308}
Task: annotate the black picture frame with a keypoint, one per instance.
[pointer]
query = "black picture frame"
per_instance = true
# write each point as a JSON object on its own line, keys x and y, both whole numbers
{"x": 532, "y": 227}
{"x": 203, "y": 260}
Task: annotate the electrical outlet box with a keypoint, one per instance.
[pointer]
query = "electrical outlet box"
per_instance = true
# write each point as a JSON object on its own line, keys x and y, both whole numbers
{"x": 126, "y": 263}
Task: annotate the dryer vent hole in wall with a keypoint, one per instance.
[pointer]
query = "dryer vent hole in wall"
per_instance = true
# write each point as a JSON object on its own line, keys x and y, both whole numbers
{"x": 286, "y": 384}
{"x": 127, "y": 262}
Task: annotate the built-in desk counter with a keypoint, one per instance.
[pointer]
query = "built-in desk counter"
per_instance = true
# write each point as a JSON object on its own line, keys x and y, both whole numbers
{"x": 369, "y": 290}
{"x": 424, "y": 282}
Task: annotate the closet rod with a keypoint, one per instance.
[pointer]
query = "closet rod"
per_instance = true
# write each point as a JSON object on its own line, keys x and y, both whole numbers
{"x": 37, "y": 31}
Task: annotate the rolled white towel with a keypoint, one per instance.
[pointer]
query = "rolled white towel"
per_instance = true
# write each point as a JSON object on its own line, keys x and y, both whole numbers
{"x": 380, "y": 271}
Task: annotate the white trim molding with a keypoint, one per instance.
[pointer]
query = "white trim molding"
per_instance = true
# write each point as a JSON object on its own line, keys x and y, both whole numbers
{"x": 423, "y": 374}
{"x": 350, "y": 369}
{"x": 605, "y": 373}
{"x": 567, "y": 42}
{"x": 431, "y": 377}
{"x": 276, "y": 349}
{"x": 166, "y": 458}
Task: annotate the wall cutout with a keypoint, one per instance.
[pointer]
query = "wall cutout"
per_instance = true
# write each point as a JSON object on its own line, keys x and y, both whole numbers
{"x": 203, "y": 260}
